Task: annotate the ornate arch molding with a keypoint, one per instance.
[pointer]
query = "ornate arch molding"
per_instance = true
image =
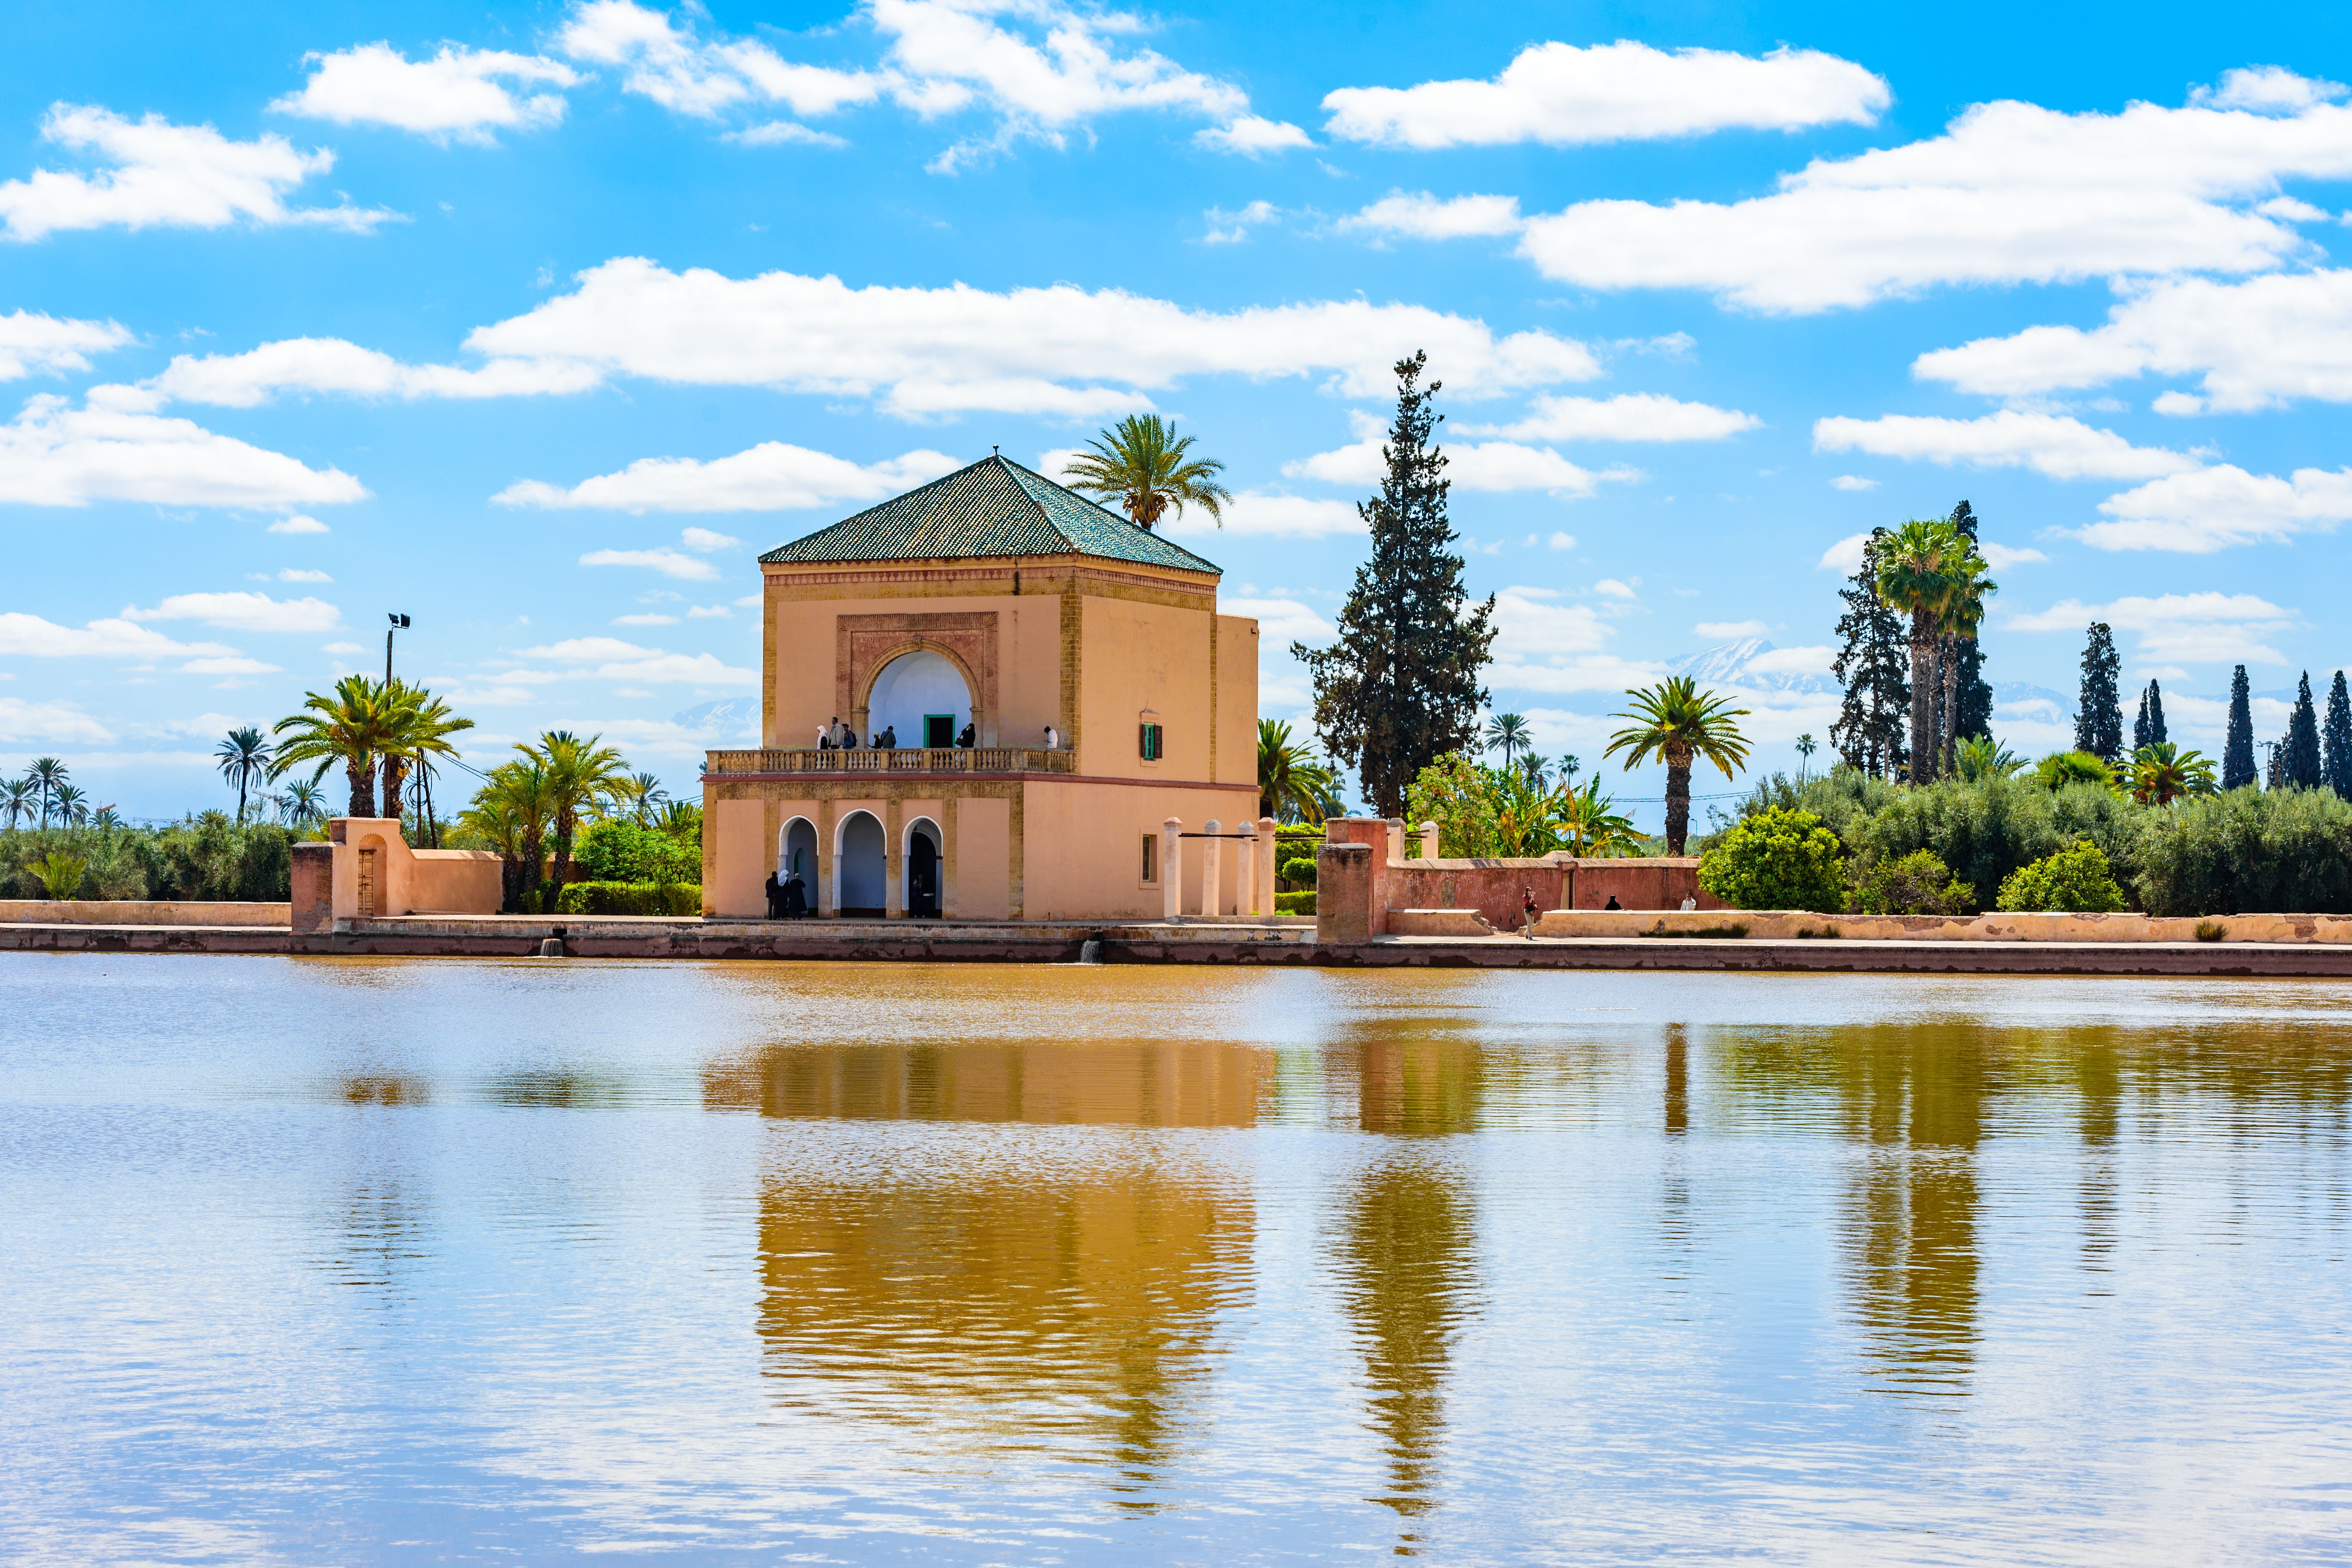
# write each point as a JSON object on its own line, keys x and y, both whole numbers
{"x": 864, "y": 644}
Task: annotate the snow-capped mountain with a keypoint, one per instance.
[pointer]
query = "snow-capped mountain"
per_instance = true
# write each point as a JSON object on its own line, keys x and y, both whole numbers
{"x": 727, "y": 716}
{"x": 1755, "y": 664}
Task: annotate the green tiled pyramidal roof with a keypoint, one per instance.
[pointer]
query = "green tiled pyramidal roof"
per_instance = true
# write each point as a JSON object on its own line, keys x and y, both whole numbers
{"x": 995, "y": 507}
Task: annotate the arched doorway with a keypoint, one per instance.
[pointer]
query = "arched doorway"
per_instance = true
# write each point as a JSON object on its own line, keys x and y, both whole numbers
{"x": 921, "y": 698}
{"x": 859, "y": 863}
{"x": 924, "y": 864}
{"x": 796, "y": 858}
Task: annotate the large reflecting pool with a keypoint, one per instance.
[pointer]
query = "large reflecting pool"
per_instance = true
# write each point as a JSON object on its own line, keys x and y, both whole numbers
{"x": 313, "y": 1261}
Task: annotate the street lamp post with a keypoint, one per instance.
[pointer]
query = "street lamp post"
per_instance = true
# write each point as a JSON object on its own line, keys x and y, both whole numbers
{"x": 399, "y": 624}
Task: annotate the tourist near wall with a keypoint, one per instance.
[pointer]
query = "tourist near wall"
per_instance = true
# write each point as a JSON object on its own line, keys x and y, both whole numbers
{"x": 365, "y": 869}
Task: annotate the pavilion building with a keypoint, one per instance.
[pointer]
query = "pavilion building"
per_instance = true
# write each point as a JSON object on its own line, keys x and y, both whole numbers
{"x": 1058, "y": 683}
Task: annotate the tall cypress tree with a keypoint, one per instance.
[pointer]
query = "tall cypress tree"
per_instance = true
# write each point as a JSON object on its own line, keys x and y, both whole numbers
{"x": 2301, "y": 767}
{"x": 1400, "y": 689}
{"x": 2336, "y": 739}
{"x": 2147, "y": 725}
{"x": 1874, "y": 667}
{"x": 2238, "y": 744}
{"x": 1975, "y": 704}
{"x": 2099, "y": 724}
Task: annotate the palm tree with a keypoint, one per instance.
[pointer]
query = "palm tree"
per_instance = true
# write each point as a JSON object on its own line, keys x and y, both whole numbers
{"x": 1805, "y": 750}
{"x": 2163, "y": 772}
{"x": 644, "y": 795}
{"x": 1962, "y": 614}
{"x": 682, "y": 820}
{"x": 582, "y": 778}
{"x": 1981, "y": 757}
{"x": 244, "y": 759}
{"x": 512, "y": 811}
{"x": 1140, "y": 461}
{"x": 349, "y": 727}
{"x": 302, "y": 803}
{"x": 417, "y": 725}
{"x": 1916, "y": 564}
{"x": 73, "y": 805}
{"x": 1292, "y": 786}
{"x": 17, "y": 797}
{"x": 1590, "y": 824}
{"x": 1507, "y": 733}
{"x": 48, "y": 774}
{"x": 2060, "y": 769}
{"x": 108, "y": 820}
{"x": 1678, "y": 724}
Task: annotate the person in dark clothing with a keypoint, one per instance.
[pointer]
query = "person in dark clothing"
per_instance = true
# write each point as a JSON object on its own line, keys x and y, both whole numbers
{"x": 775, "y": 898}
{"x": 888, "y": 741}
{"x": 965, "y": 740}
{"x": 795, "y": 898}
{"x": 1527, "y": 905}
{"x": 1613, "y": 903}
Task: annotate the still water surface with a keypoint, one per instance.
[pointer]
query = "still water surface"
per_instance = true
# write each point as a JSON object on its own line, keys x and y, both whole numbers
{"x": 352, "y": 1262}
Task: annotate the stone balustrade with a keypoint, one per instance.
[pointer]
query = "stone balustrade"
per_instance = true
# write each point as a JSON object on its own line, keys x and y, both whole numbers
{"x": 901, "y": 761}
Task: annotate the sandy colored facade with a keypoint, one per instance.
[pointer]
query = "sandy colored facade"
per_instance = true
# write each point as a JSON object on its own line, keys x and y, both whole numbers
{"x": 1081, "y": 662}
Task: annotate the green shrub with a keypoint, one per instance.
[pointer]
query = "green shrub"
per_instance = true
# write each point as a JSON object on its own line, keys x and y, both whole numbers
{"x": 1295, "y": 903}
{"x": 1918, "y": 884}
{"x": 2074, "y": 880}
{"x": 1777, "y": 859}
{"x": 631, "y": 898}
{"x": 619, "y": 850}
{"x": 61, "y": 874}
{"x": 1298, "y": 872}
{"x": 2249, "y": 851}
{"x": 208, "y": 857}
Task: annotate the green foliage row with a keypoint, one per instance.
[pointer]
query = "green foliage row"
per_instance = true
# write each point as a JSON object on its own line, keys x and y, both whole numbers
{"x": 2246, "y": 850}
{"x": 631, "y": 898}
{"x": 207, "y": 858}
{"x": 1295, "y": 903}
{"x": 620, "y": 851}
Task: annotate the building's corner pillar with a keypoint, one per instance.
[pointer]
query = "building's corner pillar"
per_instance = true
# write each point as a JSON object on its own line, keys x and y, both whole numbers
{"x": 1213, "y": 901}
{"x": 1343, "y": 893}
{"x": 1171, "y": 867}
{"x": 1016, "y": 859}
{"x": 827, "y": 905}
{"x": 1268, "y": 847}
{"x": 1429, "y": 841}
{"x": 1395, "y": 837}
{"x": 1245, "y": 872}
{"x": 948, "y": 805}
{"x": 894, "y": 858}
{"x": 314, "y": 889}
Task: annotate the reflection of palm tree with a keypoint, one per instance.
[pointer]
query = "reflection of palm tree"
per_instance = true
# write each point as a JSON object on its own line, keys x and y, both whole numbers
{"x": 1407, "y": 1262}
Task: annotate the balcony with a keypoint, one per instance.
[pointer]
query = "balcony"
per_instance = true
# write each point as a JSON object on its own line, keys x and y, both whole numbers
{"x": 897, "y": 763}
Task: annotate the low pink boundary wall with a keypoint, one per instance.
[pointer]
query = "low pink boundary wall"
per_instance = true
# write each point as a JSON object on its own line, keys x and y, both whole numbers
{"x": 1781, "y": 925}
{"x": 139, "y": 912}
{"x": 1366, "y": 888}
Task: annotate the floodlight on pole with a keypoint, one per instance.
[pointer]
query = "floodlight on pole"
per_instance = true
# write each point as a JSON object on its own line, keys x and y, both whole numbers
{"x": 399, "y": 624}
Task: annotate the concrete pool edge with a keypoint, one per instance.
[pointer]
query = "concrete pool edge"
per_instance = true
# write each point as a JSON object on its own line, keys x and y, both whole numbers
{"x": 618, "y": 937}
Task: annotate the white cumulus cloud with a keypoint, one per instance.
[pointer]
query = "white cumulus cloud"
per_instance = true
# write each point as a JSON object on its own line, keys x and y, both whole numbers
{"x": 30, "y": 636}
{"x": 1730, "y": 631}
{"x": 2180, "y": 628}
{"x": 31, "y": 343}
{"x": 22, "y": 722}
{"x": 1562, "y": 96}
{"x": 669, "y": 562}
{"x": 244, "y": 612}
{"x": 299, "y": 523}
{"x": 464, "y": 93}
{"x": 334, "y": 366}
{"x": 771, "y": 477}
{"x": 2212, "y": 509}
{"x": 1629, "y": 417}
{"x": 1254, "y": 136}
{"x": 1271, "y": 515}
{"x": 2012, "y": 192}
{"x": 2051, "y": 443}
{"x": 1280, "y": 621}
{"x": 55, "y": 455}
{"x": 1418, "y": 215}
{"x": 1495, "y": 465}
{"x": 159, "y": 174}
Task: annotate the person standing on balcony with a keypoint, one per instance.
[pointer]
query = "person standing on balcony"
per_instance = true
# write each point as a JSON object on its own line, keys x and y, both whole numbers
{"x": 1053, "y": 739}
{"x": 965, "y": 741}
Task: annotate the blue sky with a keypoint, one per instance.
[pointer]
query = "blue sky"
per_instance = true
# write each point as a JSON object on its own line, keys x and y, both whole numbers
{"x": 538, "y": 324}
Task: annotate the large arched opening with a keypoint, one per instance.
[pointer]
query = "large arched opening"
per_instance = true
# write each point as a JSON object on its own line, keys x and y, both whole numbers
{"x": 861, "y": 878}
{"x": 921, "y": 699}
{"x": 796, "y": 866}
{"x": 925, "y": 864}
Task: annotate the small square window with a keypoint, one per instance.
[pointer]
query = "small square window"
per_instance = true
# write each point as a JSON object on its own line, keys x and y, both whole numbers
{"x": 1151, "y": 743}
{"x": 1150, "y": 858}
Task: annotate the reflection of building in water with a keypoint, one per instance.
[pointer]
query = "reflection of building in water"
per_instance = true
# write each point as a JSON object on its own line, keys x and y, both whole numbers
{"x": 1149, "y": 1084}
{"x": 1407, "y": 1255}
{"x": 1067, "y": 1309}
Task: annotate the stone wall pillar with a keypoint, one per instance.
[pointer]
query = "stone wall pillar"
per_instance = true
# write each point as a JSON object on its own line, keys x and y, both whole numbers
{"x": 1212, "y": 855}
{"x": 827, "y": 906}
{"x": 1171, "y": 867}
{"x": 1268, "y": 847}
{"x": 1373, "y": 834}
{"x": 894, "y": 858}
{"x": 314, "y": 889}
{"x": 948, "y": 857}
{"x": 1343, "y": 893}
{"x": 1429, "y": 841}
{"x": 1246, "y": 873}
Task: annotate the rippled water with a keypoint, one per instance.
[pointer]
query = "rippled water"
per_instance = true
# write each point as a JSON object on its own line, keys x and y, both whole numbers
{"x": 355, "y": 1261}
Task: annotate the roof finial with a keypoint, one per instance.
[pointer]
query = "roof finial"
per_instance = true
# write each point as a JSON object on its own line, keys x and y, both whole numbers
{"x": 992, "y": 449}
